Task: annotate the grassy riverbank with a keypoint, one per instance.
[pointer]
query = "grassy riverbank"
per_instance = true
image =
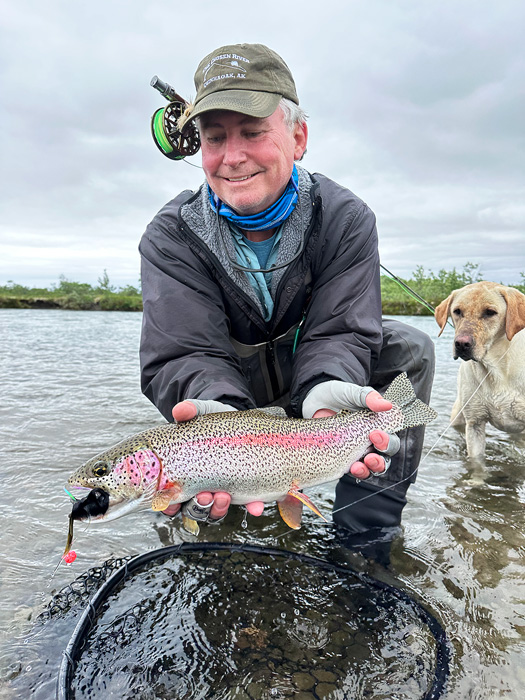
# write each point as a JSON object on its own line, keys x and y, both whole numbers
{"x": 76, "y": 296}
{"x": 106, "y": 297}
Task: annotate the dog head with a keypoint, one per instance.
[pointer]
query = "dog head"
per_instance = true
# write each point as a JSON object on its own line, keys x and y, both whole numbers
{"x": 482, "y": 313}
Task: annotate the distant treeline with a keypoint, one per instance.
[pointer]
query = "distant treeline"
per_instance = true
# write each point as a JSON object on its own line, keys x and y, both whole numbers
{"x": 397, "y": 300}
{"x": 76, "y": 296}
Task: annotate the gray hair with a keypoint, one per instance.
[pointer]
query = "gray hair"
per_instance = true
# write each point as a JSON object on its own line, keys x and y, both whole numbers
{"x": 293, "y": 114}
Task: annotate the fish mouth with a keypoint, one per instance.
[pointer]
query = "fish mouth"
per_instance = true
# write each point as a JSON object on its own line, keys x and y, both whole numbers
{"x": 116, "y": 508}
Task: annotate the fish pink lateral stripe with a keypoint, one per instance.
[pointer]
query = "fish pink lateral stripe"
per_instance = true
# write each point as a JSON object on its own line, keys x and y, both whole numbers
{"x": 296, "y": 440}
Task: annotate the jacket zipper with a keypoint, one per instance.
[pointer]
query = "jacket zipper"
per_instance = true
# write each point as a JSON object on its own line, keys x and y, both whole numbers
{"x": 272, "y": 373}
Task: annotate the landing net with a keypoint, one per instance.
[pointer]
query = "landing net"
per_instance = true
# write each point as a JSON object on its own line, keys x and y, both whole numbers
{"x": 224, "y": 620}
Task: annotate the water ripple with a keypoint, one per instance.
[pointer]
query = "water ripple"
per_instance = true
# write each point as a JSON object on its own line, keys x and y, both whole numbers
{"x": 70, "y": 388}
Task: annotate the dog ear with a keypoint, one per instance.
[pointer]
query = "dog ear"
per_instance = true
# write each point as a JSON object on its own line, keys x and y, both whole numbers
{"x": 442, "y": 311}
{"x": 515, "y": 319}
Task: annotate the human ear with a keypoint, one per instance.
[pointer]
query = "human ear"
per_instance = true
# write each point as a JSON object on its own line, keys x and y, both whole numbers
{"x": 300, "y": 138}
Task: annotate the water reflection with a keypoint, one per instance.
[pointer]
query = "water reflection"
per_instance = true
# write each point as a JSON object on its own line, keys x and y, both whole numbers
{"x": 70, "y": 388}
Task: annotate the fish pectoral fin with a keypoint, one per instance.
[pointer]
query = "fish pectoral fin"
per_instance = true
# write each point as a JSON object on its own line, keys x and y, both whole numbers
{"x": 300, "y": 496}
{"x": 190, "y": 525}
{"x": 162, "y": 499}
{"x": 291, "y": 510}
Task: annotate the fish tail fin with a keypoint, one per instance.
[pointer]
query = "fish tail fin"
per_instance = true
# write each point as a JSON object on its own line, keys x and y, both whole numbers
{"x": 415, "y": 412}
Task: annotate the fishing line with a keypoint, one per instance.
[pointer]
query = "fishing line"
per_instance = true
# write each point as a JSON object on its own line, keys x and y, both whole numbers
{"x": 193, "y": 164}
{"x": 387, "y": 488}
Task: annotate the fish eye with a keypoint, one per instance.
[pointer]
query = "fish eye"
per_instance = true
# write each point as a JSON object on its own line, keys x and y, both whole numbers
{"x": 100, "y": 468}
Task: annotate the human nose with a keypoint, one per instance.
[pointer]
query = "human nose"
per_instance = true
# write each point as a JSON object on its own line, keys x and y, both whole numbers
{"x": 234, "y": 153}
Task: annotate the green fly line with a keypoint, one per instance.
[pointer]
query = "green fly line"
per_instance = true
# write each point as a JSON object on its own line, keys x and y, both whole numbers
{"x": 160, "y": 134}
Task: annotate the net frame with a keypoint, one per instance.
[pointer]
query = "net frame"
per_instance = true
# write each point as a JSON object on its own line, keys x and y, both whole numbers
{"x": 73, "y": 651}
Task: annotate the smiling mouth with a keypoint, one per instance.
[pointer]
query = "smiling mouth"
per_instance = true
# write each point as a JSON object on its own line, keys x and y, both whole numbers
{"x": 240, "y": 179}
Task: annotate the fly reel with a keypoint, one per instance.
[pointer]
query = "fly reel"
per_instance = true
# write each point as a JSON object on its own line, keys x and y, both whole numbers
{"x": 170, "y": 140}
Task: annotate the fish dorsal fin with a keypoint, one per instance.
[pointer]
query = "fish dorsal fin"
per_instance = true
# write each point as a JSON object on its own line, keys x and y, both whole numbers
{"x": 274, "y": 411}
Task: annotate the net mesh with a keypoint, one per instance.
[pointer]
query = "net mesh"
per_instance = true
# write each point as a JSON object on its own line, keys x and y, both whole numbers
{"x": 76, "y": 594}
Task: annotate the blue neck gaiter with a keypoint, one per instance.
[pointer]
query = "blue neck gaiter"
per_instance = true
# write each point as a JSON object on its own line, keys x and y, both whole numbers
{"x": 269, "y": 218}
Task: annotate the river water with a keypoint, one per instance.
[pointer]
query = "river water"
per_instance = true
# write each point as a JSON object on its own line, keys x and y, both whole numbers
{"x": 70, "y": 388}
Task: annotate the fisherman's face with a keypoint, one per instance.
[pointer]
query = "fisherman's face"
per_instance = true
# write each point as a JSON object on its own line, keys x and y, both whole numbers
{"x": 248, "y": 161}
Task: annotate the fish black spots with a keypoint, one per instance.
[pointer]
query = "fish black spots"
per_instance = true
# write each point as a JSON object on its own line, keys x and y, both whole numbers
{"x": 95, "y": 503}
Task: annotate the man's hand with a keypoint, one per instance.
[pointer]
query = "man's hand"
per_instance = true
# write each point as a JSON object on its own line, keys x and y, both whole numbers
{"x": 184, "y": 411}
{"x": 327, "y": 398}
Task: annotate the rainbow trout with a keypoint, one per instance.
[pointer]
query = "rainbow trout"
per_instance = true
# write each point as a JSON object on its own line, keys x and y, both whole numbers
{"x": 254, "y": 455}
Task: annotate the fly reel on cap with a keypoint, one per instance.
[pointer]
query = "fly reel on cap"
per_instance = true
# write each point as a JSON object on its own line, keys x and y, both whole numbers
{"x": 170, "y": 140}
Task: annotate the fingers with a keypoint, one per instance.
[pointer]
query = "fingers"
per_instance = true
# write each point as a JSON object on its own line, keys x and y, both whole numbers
{"x": 376, "y": 402}
{"x": 372, "y": 464}
{"x": 337, "y": 395}
{"x": 199, "y": 508}
{"x": 385, "y": 442}
{"x": 188, "y": 409}
{"x": 172, "y": 510}
{"x": 221, "y": 503}
{"x": 323, "y": 413}
{"x": 256, "y": 508}
{"x": 183, "y": 411}
{"x": 359, "y": 470}
{"x": 375, "y": 463}
{"x": 208, "y": 506}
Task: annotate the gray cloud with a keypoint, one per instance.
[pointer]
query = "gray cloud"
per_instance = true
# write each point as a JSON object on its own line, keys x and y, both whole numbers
{"x": 417, "y": 107}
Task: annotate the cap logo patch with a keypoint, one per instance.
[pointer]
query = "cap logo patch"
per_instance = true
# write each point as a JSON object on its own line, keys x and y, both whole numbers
{"x": 217, "y": 67}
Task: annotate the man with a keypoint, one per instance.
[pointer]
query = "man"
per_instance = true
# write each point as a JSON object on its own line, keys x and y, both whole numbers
{"x": 263, "y": 287}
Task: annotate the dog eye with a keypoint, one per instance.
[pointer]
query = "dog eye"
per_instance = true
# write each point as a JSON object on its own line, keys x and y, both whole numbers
{"x": 490, "y": 312}
{"x": 457, "y": 312}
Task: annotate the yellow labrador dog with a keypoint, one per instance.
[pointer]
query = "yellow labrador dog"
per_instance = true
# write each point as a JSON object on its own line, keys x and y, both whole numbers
{"x": 489, "y": 320}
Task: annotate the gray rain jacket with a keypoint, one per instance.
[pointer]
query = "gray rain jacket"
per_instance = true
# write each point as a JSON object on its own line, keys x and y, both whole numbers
{"x": 203, "y": 333}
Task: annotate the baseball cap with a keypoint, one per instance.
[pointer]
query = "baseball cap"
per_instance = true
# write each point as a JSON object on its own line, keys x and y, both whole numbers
{"x": 246, "y": 78}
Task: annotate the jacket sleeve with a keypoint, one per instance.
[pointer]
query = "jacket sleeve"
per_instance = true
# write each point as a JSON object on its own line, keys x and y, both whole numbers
{"x": 342, "y": 333}
{"x": 185, "y": 351}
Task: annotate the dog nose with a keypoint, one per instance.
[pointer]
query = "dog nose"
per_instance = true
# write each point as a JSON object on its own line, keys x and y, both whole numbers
{"x": 463, "y": 342}
{"x": 463, "y": 346}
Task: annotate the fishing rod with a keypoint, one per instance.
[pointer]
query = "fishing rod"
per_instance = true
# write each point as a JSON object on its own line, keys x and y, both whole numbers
{"x": 406, "y": 288}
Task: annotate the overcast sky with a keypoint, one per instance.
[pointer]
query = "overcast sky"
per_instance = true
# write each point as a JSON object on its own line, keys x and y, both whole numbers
{"x": 417, "y": 106}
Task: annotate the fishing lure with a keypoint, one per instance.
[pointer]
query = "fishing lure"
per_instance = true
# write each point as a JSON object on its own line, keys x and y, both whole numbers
{"x": 95, "y": 503}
